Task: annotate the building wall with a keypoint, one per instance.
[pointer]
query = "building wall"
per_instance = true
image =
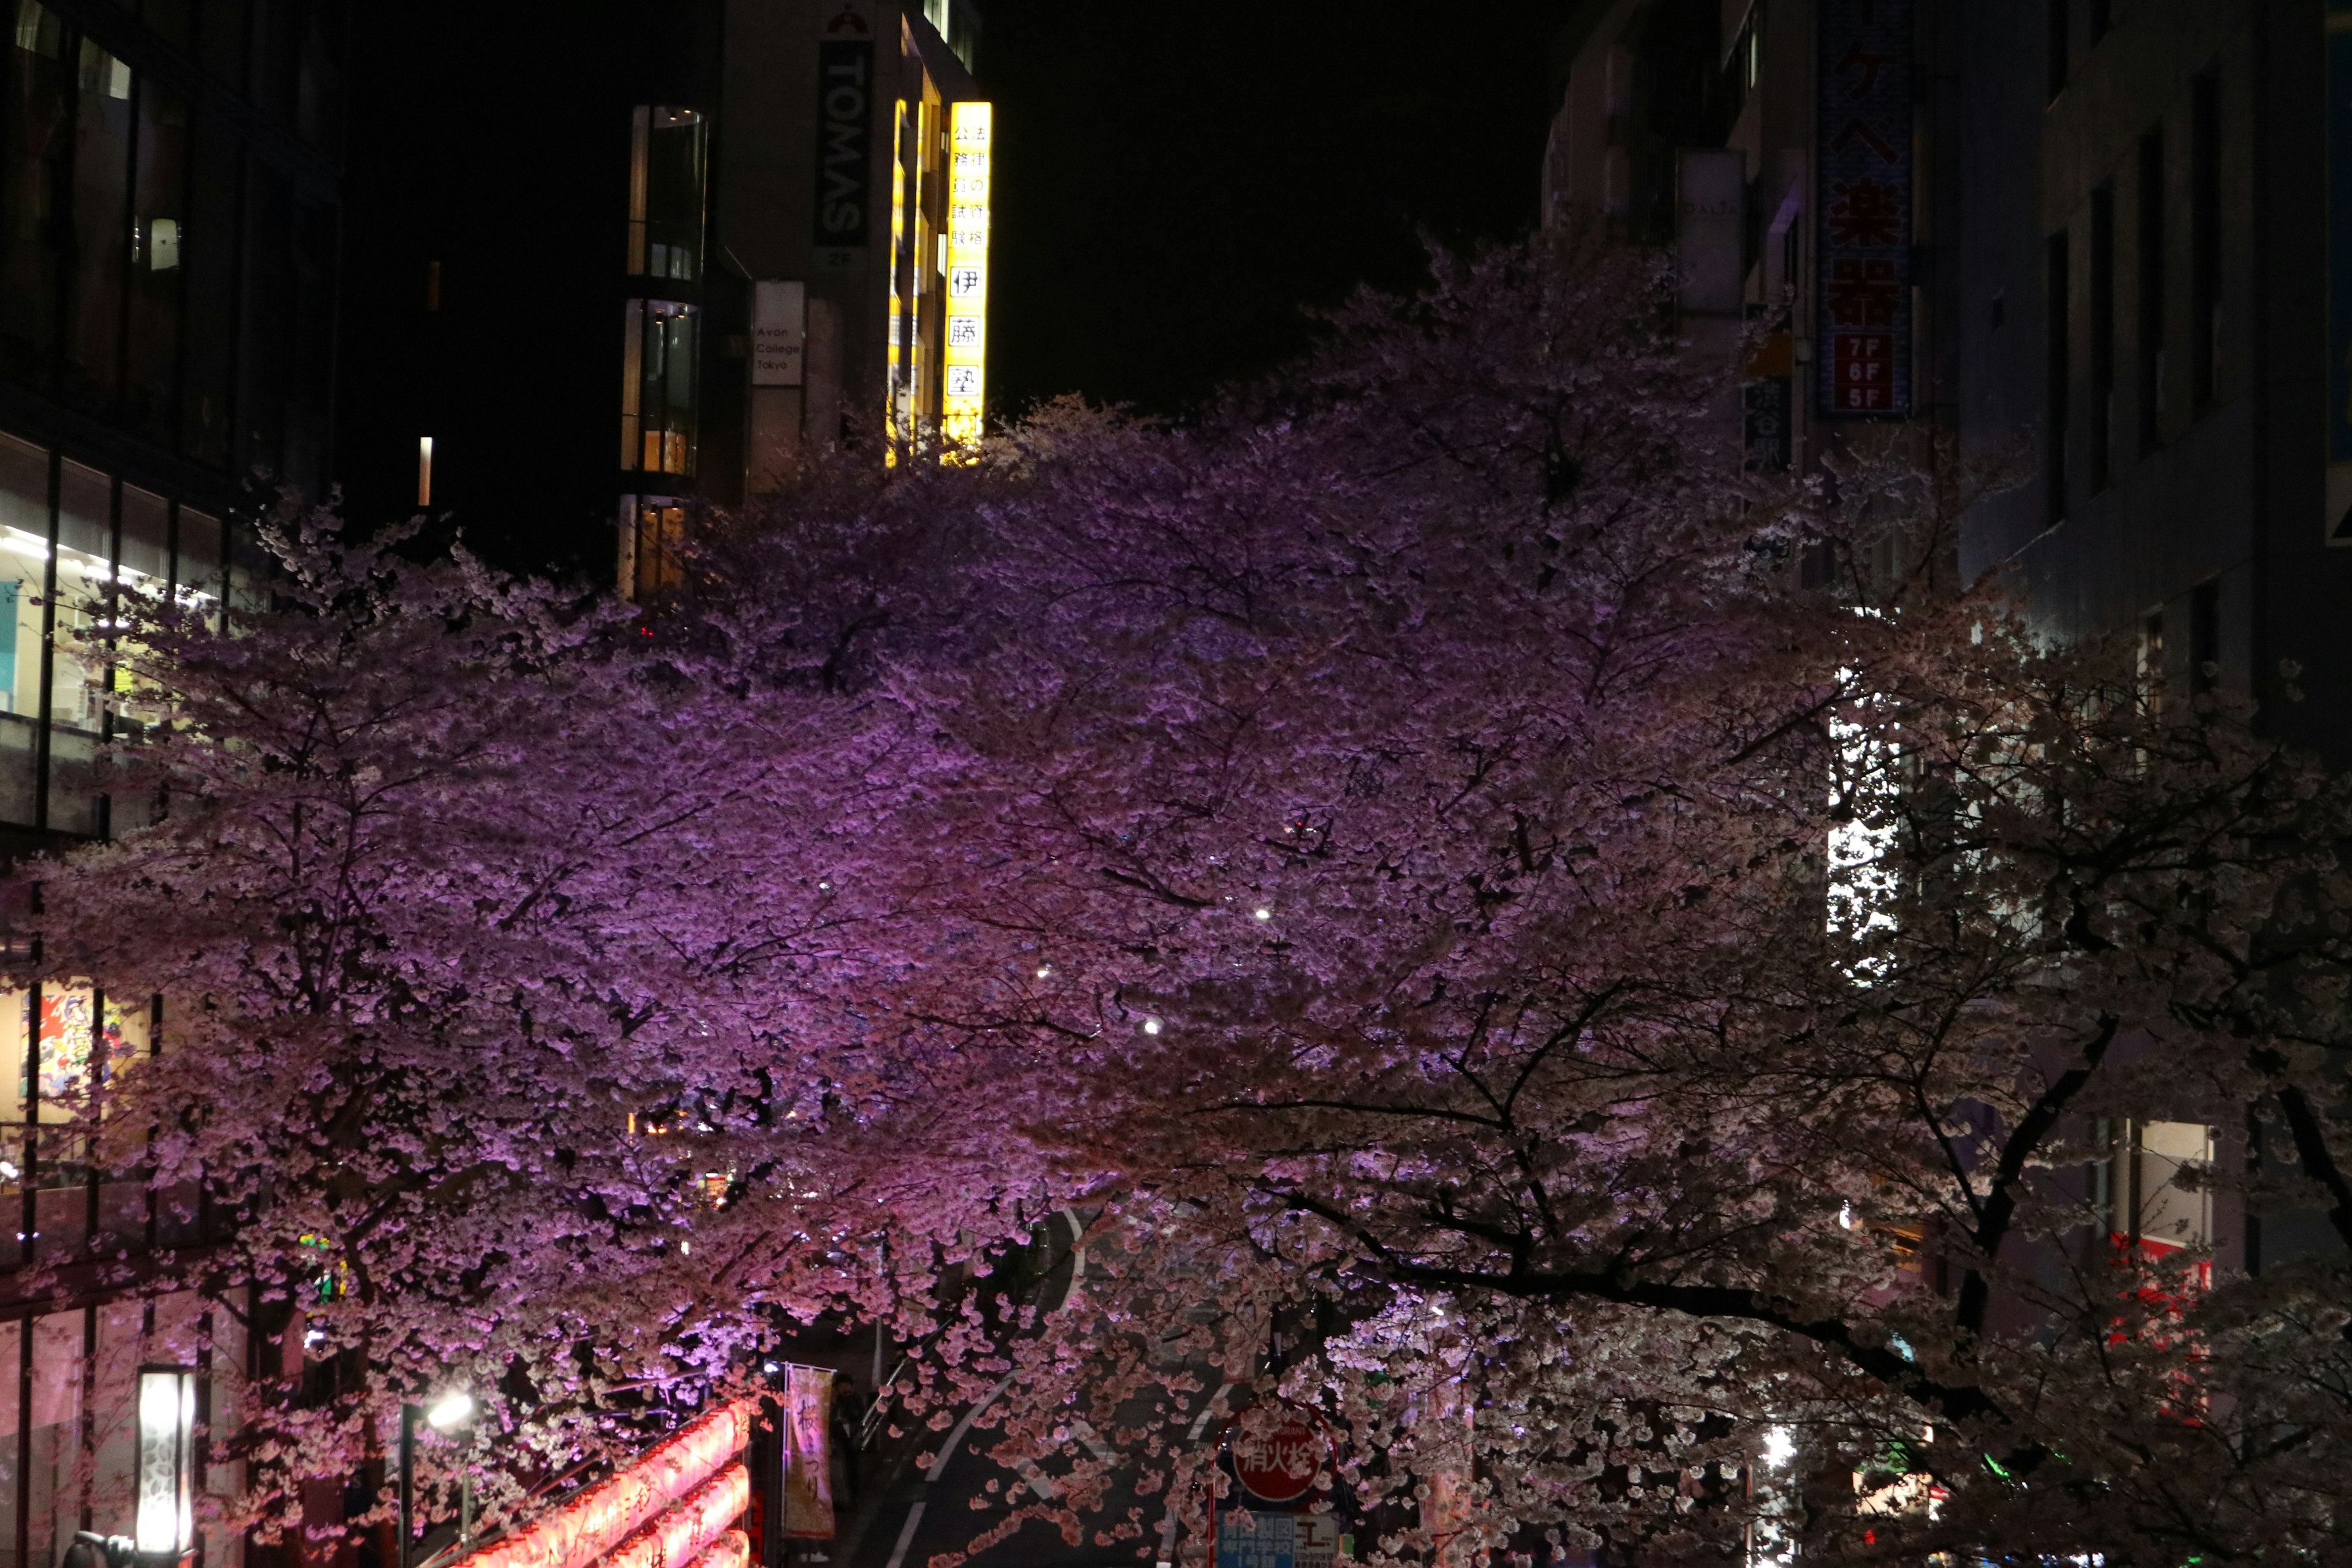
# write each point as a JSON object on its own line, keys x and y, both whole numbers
{"x": 516, "y": 329}
{"x": 2134, "y": 504}
{"x": 2119, "y": 278}
{"x": 170, "y": 232}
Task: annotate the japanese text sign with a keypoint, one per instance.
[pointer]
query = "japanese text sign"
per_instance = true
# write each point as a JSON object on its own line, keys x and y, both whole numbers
{"x": 1862, "y": 209}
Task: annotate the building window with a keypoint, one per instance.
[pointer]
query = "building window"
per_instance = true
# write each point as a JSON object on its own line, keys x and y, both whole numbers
{"x": 667, "y": 154}
{"x": 2205, "y": 636}
{"x": 2151, "y": 290}
{"x": 652, "y": 539}
{"x": 2060, "y": 65}
{"x": 2102, "y": 336}
{"x": 658, "y": 387}
{"x": 2059, "y": 376}
{"x": 425, "y": 471}
{"x": 101, "y": 199}
{"x": 2154, "y": 1189}
{"x": 2205, "y": 239}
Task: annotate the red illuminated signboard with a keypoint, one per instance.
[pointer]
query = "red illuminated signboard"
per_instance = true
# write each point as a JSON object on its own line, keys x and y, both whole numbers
{"x": 1862, "y": 209}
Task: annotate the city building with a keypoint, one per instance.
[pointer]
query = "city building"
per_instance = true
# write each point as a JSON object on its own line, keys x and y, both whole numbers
{"x": 707, "y": 238}
{"x": 170, "y": 222}
{"x": 2100, "y": 252}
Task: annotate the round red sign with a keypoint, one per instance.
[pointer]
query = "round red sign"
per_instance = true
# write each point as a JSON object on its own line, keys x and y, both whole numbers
{"x": 1278, "y": 1462}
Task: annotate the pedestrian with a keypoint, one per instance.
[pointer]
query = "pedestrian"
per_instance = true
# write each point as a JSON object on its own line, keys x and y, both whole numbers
{"x": 849, "y": 1423}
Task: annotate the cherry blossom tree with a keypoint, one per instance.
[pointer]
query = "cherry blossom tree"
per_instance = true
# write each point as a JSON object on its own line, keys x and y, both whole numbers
{"x": 1606, "y": 974}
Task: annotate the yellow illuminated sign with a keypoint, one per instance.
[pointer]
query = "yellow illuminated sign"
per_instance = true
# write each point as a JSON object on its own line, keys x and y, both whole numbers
{"x": 962, "y": 398}
{"x": 899, "y": 358}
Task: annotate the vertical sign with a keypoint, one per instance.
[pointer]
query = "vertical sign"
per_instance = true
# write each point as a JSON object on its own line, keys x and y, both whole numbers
{"x": 779, "y": 332}
{"x": 970, "y": 147}
{"x": 2339, "y": 272}
{"x": 845, "y": 135}
{"x": 808, "y": 1455}
{"x": 1862, "y": 327}
{"x": 899, "y": 355}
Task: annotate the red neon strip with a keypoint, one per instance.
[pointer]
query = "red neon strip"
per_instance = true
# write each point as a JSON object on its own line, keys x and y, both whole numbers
{"x": 602, "y": 1518}
{"x": 686, "y": 1531}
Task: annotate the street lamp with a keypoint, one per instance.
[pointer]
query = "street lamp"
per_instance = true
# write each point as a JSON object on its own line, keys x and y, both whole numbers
{"x": 447, "y": 1414}
{"x": 164, "y": 1519}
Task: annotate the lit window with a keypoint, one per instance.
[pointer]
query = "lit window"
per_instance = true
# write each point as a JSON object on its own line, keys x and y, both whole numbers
{"x": 667, "y": 154}
{"x": 425, "y": 471}
{"x": 658, "y": 386}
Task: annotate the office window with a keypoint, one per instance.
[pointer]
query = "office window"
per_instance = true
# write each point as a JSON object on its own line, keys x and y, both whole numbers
{"x": 667, "y": 159}
{"x": 271, "y": 291}
{"x": 2061, "y": 64}
{"x": 658, "y": 387}
{"x": 102, "y": 196}
{"x": 2205, "y": 636}
{"x": 32, "y": 168}
{"x": 208, "y": 256}
{"x": 425, "y": 471}
{"x": 2151, "y": 290}
{"x": 221, "y": 36}
{"x": 2102, "y": 336}
{"x": 159, "y": 186}
{"x": 24, "y": 565}
{"x": 2156, "y": 1190}
{"x": 2059, "y": 376}
{"x": 198, "y": 563}
{"x": 172, "y": 19}
{"x": 2205, "y": 240}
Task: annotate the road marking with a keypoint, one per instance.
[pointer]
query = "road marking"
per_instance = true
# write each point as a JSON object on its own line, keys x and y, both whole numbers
{"x": 907, "y": 1536}
{"x": 947, "y": 1452}
{"x": 1168, "y": 1529}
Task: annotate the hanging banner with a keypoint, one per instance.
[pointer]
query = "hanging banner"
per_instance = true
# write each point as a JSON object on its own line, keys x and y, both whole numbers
{"x": 808, "y": 1454}
{"x": 1862, "y": 326}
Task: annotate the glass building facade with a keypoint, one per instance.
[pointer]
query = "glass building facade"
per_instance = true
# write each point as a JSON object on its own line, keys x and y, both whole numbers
{"x": 170, "y": 227}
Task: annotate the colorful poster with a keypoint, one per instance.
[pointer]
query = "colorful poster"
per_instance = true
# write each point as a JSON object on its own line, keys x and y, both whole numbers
{"x": 1861, "y": 327}
{"x": 1270, "y": 1540}
{"x": 65, "y": 1045}
{"x": 808, "y": 1479}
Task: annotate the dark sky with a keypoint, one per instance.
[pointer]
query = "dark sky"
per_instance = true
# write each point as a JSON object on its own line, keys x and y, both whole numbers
{"x": 1177, "y": 178}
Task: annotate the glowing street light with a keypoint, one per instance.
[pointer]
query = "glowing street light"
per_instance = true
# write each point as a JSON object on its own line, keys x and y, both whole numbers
{"x": 450, "y": 1410}
{"x": 448, "y": 1413}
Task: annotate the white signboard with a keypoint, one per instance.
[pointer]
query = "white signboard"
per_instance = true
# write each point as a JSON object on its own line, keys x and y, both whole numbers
{"x": 779, "y": 333}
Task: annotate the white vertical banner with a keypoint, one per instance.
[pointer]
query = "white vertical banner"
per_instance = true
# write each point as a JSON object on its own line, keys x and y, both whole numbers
{"x": 808, "y": 1455}
{"x": 971, "y": 148}
{"x": 779, "y": 332}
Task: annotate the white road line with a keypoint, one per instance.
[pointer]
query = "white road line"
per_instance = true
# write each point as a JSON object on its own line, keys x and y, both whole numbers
{"x": 1168, "y": 1529}
{"x": 946, "y": 1450}
{"x": 906, "y": 1535}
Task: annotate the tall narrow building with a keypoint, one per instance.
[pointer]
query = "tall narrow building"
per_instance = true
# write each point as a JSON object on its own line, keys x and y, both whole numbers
{"x": 170, "y": 239}
{"x": 603, "y": 285}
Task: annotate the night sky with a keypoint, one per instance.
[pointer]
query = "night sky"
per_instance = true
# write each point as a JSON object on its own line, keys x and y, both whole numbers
{"x": 1176, "y": 181}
